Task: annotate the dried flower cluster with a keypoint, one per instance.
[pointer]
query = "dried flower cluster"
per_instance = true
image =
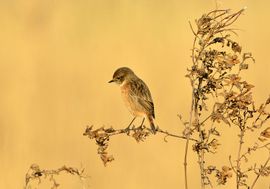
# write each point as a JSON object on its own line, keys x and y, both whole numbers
{"x": 263, "y": 171}
{"x": 221, "y": 175}
{"x": 102, "y": 137}
{"x": 35, "y": 173}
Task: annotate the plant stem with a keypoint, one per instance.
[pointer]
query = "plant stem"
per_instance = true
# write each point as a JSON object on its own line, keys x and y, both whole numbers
{"x": 185, "y": 163}
{"x": 201, "y": 163}
{"x": 238, "y": 172}
{"x": 174, "y": 135}
{"x": 188, "y": 138}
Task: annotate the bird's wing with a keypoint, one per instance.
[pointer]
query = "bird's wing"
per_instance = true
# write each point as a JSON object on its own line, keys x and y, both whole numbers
{"x": 143, "y": 96}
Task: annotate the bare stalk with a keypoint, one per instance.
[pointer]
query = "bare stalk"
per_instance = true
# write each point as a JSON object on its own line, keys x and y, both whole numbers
{"x": 187, "y": 140}
{"x": 174, "y": 135}
{"x": 238, "y": 168}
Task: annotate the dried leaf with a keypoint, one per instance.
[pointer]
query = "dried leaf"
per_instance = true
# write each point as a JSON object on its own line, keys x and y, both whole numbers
{"x": 214, "y": 132}
{"x": 243, "y": 66}
{"x": 266, "y": 133}
{"x": 236, "y": 47}
{"x": 140, "y": 133}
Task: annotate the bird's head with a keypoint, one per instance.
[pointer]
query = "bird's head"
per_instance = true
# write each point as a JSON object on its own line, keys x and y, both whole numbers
{"x": 121, "y": 75}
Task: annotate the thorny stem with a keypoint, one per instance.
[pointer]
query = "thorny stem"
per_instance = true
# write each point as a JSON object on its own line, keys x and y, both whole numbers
{"x": 258, "y": 175}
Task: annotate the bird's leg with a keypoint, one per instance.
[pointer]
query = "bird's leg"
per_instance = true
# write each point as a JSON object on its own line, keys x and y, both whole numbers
{"x": 142, "y": 122}
{"x": 130, "y": 124}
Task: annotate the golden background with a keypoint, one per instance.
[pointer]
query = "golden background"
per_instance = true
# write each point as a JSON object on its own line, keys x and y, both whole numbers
{"x": 56, "y": 58}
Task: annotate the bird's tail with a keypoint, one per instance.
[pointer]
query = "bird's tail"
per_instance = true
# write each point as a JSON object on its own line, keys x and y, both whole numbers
{"x": 152, "y": 125}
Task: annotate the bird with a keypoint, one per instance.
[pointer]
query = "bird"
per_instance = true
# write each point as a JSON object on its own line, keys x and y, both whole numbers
{"x": 136, "y": 95}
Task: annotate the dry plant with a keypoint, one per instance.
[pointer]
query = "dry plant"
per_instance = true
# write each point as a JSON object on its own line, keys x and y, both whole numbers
{"x": 216, "y": 83}
{"x": 220, "y": 96}
{"x": 36, "y": 174}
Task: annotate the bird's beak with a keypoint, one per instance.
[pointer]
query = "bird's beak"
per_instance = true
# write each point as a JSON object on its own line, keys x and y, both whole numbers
{"x": 111, "y": 81}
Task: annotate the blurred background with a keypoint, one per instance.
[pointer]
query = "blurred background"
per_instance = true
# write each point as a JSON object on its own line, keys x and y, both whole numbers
{"x": 56, "y": 58}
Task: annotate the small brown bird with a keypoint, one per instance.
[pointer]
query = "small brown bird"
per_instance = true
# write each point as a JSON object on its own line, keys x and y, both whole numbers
{"x": 136, "y": 95}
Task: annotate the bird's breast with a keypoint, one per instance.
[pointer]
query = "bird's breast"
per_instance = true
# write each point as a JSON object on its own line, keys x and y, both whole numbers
{"x": 131, "y": 101}
{"x": 125, "y": 92}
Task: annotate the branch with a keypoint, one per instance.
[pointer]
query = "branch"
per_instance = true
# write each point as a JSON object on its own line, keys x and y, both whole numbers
{"x": 102, "y": 136}
{"x": 174, "y": 135}
{"x": 35, "y": 173}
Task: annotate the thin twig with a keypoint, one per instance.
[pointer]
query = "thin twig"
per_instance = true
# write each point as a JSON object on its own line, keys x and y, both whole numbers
{"x": 174, "y": 135}
{"x": 258, "y": 175}
{"x": 233, "y": 168}
{"x": 206, "y": 119}
{"x": 253, "y": 149}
